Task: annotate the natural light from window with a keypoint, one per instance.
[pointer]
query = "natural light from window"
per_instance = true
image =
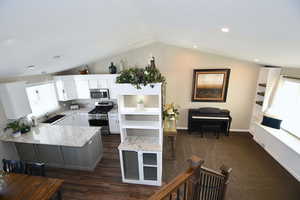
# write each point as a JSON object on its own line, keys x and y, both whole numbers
{"x": 286, "y": 105}
{"x": 42, "y": 99}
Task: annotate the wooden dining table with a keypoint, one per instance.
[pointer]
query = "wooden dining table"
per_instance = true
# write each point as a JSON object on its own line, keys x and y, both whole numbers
{"x": 24, "y": 187}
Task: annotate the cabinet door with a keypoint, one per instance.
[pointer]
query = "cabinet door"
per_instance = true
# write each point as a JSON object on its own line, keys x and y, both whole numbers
{"x": 83, "y": 90}
{"x": 66, "y": 89}
{"x": 112, "y": 88}
{"x": 130, "y": 165}
{"x": 114, "y": 127}
{"x": 60, "y": 90}
{"x": 93, "y": 83}
{"x": 70, "y": 89}
{"x": 103, "y": 83}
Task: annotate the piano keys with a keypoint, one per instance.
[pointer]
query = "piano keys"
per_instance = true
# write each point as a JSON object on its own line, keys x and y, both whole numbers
{"x": 218, "y": 120}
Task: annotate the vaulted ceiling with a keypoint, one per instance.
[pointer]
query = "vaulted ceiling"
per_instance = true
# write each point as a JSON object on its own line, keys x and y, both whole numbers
{"x": 60, "y": 34}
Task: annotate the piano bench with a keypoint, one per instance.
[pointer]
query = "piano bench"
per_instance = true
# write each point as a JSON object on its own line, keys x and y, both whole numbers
{"x": 216, "y": 128}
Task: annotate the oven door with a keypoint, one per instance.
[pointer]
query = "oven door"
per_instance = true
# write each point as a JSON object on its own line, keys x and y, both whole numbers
{"x": 98, "y": 122}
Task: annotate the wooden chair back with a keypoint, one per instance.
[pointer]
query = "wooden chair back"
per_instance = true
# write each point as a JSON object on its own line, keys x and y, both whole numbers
{"x": 13, "y": 166}
{"x": 21, "y": 167}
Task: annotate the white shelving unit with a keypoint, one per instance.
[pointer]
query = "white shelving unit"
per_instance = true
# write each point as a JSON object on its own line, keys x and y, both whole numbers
{"x": 266, "y": 83}
{"x": 141, "y": 134}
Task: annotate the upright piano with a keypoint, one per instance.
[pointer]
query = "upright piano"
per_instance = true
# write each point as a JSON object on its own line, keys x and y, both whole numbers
{"x": 199, "y": 119}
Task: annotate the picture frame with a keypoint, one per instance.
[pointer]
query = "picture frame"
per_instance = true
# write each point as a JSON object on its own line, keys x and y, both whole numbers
{"x": 210, "y": 85}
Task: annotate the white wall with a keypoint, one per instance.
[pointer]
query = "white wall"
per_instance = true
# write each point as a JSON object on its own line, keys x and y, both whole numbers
{"x": 177, "y": 65}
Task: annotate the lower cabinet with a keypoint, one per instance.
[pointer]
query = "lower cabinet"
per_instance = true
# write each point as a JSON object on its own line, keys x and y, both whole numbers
{"x": 82, "y": 158}
{"x": 141, "y": 167}
{"x": 114, "y": 126}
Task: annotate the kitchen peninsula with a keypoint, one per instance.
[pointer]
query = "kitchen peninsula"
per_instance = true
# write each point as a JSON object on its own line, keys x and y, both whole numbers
{"x": 70, "y": 147}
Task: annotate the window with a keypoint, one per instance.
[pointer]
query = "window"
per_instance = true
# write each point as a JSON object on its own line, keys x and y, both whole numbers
{"x": 42, "y": 99}
{"x": 286, "y": 105}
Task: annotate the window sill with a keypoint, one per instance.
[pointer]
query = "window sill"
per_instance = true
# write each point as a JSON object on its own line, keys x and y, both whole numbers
{"x": 286, "y": 138}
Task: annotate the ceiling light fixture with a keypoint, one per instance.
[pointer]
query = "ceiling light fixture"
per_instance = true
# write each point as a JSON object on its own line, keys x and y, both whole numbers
{"x": 31, "y": 67}
{"x": 195, "y": 46}
{"x": 57, "y": 57}
{"x": 225, "y": 30}
{"x": 8, "y": 41}
{"x": 256, "y": 60}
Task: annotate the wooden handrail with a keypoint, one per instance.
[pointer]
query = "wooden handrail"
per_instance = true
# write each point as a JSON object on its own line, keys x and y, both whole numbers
{"x": 172, "y": 186}
{"x": 195, "y": 185}
{"x": 195, "y": 164}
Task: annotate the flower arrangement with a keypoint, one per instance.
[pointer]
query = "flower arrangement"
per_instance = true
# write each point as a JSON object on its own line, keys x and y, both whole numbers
{"x": 171, "y": 112}
{"x": 141, "y": 76}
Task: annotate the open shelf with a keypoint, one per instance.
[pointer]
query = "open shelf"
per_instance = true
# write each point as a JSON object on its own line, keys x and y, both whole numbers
{"x": 141, "y": 124}
{"x": 135, "y": 111}
{"x": 262, "y": 84}
{"x": 261, "y": 94}
{"x": 259, "y": 103}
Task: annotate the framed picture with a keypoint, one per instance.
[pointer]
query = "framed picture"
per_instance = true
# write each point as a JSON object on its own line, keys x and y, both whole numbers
{"x": 210, "y": 85}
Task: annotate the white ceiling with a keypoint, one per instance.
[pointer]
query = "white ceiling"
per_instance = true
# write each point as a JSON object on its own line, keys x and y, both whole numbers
{"x": 33, "y": 31}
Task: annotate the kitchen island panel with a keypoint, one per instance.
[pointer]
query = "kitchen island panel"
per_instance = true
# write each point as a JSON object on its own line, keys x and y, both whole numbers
{"x": 50, "y": 155}
{"x": 27, "y": 152}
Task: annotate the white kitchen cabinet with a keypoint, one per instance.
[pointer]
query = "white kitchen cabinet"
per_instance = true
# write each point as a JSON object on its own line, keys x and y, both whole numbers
{"x": 141, "y": 167}
{"x": 99, "y": 82}
{"x": 82, "y": 87}
{"x": 78, "y": 86}
{"x": 66, "y": 88}
{"x": 93, "y": 84}
{"x": 14, "y": 99}
{"x": 113, "y": 118}
{"x": 141, "y": 135}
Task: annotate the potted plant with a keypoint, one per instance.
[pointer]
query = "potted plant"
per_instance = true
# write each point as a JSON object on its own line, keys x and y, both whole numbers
{"x": 16, "y": 128}
{"x": 140, "y": 103}
{"x": 139, "y": 77}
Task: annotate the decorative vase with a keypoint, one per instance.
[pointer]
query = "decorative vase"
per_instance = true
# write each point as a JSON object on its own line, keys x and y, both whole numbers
{"x": 112, "y": 68}
{"x": 170, "y": 124}
{"x": 16, "y": 134}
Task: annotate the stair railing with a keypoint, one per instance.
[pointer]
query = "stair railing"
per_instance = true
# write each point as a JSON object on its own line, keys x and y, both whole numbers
{"x": 196, "y": 183}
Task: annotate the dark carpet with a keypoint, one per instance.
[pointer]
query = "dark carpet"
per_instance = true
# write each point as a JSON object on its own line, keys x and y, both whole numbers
{"x": 255, "y": 176}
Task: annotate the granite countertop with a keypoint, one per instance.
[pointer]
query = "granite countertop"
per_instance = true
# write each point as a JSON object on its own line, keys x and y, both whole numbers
{"x": 141, "y": 143}
{"x": 72, "y": 136}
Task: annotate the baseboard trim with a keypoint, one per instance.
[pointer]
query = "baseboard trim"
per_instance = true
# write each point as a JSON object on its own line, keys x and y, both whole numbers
{"x": 239, "y": 130}
{"x": 182, "y": 128}
{"x": 232, "y": 130}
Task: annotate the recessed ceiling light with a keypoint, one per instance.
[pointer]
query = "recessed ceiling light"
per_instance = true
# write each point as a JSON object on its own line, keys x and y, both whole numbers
{"x": 57, "y": 57}
{"x": 225, "y": 30}
{"x": 195, "y": 46}
{"x": 31, "y": 67}
{"x": 8, "y": 41}
{"x": 256, "y": 60}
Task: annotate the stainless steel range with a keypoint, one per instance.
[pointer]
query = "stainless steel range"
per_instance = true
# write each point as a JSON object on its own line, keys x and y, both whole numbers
{"x": 99, "y": 115}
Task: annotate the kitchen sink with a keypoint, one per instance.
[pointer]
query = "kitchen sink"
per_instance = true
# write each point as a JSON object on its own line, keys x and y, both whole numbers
{"x": 53, "y": 119}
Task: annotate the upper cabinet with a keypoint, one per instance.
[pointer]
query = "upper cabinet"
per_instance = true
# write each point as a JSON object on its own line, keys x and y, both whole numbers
{"x": 66, "y": 88}
{"x": 78, "y": 86}
{"x": 14, "y": 100}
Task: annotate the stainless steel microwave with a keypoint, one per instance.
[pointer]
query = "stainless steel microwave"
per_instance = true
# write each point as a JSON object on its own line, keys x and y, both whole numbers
{"x": 102, "y": 94}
